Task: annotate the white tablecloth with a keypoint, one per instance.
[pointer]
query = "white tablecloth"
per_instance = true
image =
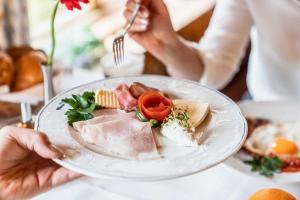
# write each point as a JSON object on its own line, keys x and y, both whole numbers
{"x": 220, "y": 182}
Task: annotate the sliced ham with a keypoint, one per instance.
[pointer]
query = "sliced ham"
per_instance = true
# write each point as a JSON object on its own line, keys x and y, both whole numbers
{"x": 121, "y": 134}
{"x": 137, "y": 89}
{"x": 103, "y": 116}
{"x": 126, "y": 100}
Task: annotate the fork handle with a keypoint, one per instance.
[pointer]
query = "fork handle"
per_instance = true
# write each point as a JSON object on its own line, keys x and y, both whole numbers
{"x": 133, "y": 17}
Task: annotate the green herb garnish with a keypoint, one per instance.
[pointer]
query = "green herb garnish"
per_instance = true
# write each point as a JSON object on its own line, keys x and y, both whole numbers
{"x": 154, "y": 123}
{"x": 266, "y": 166}
{"x": 82, "y": 107}
{"x": 179, "y": 115}
{"x": 141, "y": 117}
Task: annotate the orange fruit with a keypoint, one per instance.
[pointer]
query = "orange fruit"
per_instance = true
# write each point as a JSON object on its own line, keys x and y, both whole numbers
{"x": 272, "y": 194}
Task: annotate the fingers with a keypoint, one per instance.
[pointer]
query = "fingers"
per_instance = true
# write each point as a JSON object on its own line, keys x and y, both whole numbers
{"x": 140, "y": 24}
{"x": 157, "y": 6}
{"x": 32, "y": 141}
{"x": 51, "y": 176}
{"x": 143, "y": 11}
{"x": 62, "y": 176}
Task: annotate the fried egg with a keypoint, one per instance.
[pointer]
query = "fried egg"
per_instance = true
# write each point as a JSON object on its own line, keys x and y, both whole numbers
{"x": 281, "y": 139}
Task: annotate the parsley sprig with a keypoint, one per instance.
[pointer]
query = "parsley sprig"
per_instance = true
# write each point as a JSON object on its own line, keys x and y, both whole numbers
{"x": 265, "y": 166}
{"x": 82, "y": 107}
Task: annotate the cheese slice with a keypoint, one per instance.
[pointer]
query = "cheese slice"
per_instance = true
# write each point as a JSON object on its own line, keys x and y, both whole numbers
{"x": 182, "y": 137}
{"x": 196, "y": 110}
{"x": 107, "y": 99}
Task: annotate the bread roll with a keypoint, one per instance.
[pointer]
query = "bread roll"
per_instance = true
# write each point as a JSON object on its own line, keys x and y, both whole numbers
{"x": 17, "y": 52}
{"x": 6, "y": 69}
{"x": 28, "y": 70}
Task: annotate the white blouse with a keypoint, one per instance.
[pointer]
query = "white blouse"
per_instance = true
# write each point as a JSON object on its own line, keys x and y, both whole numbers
{"x": 274, "y": 67}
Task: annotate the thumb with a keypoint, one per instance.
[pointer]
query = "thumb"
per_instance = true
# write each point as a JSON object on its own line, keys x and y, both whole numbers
{"x": 33, "y": 141}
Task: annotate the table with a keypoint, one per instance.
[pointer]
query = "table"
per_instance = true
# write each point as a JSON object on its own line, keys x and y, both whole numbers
{"x": 220, "y": 182}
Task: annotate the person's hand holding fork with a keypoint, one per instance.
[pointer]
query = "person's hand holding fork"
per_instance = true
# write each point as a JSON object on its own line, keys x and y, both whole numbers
{"x": 153, "y": 30}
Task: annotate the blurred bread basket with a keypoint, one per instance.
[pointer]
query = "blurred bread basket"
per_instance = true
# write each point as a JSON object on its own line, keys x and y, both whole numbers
{"x": 21, "y": 79}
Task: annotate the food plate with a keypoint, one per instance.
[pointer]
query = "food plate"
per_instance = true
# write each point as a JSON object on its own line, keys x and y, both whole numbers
{"x": 225, "y": 131}
{"x": 274, "y": 111}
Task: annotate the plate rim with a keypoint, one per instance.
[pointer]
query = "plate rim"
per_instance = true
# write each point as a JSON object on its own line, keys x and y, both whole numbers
{"x": 150, "y": 178}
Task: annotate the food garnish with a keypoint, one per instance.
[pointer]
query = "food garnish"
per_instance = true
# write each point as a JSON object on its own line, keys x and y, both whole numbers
{"x": 154, "y": 106}
{"x": 180, "y": 125}
{"x": 82, "y": 107}
{"x": 177, "y": 127}
{"x": 152, "y": 122}
{"x": 140, "y": 116}
{"x": 196, "y": 110}
{"x": 265, "y": 166}
{"x": 181, "y": 116}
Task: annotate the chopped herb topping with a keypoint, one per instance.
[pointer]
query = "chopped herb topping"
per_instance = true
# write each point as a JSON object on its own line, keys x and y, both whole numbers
{"x": 179, "y": 115}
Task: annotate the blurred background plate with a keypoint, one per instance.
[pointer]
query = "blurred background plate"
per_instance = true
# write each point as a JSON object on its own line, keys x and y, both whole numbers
{"x": 275, "y": 111}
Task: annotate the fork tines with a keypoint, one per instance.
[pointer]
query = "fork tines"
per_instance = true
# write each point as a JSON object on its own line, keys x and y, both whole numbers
{"x": 118, "y": 44}
{"x": 118, "y": 49}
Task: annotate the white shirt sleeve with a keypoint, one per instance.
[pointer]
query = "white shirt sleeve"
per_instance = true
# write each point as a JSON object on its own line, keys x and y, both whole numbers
{"x": 224, "y": 42}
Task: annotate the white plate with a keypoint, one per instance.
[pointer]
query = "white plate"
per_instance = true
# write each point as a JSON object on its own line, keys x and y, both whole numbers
{"x": 225, "y": 133}
{"x": 275, "y": 111}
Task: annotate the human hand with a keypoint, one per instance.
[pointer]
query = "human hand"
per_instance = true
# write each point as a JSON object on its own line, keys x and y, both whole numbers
{"x": 26, "y": 168}
{"x": 153, "y": 27}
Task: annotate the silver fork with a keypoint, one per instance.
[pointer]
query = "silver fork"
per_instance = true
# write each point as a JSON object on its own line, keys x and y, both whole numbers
{"x": 118, "y": 44}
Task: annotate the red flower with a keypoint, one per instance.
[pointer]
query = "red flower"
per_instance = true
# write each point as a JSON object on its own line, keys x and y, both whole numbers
{"x": 71, "y": 4}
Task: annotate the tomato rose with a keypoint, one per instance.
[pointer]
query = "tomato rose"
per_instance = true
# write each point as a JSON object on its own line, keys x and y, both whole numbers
{"x": 154, "y": 106}
{"x": 71, "y": 4}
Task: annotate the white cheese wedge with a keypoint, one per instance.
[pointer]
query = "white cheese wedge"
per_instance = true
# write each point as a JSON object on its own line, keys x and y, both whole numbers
{"x": 178, "y": 134}
{"x": 196, "y": 110}
{"x": 197, "y": 113}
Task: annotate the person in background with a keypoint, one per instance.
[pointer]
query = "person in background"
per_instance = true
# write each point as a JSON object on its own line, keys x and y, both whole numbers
{"x": 26, "y": 168}
{"x": 274, "y": 68}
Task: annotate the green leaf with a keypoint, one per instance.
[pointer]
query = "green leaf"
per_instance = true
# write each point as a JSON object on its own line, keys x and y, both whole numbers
{"x": 89, "y": 109}
{"x": 140, "y": 116}
{"x": 89, "y": 96}
{"x": 266, "y": 166}
{"x": 73, "y": 103}
{"x": 82, "y": 107}
{"x": 82, "y": 101}
{"x": 154, "y": 123}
